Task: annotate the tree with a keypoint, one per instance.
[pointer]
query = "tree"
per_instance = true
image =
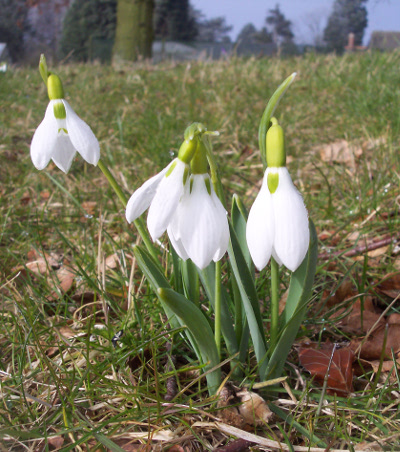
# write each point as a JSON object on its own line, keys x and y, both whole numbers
{"x": 134, "y": 30}
{"x": 13, "y": 23}
{"x": 348, "y": 16}
{"x": 174, "y": 20}
{"x": 213, "y": 30}
{"x": 85, "y": 21}
{"x": 281, "y": 27}
{"x": 247, "y": 34}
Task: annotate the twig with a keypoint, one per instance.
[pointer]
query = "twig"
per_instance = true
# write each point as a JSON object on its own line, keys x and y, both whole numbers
{"x": 360, "y": 249}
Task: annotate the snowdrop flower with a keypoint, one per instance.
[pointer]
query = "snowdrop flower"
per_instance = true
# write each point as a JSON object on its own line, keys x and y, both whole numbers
{"x": 199, "y": 230}
{"x": 278, "y": 220}
{"x": 162, "y": 193}
{"x": 62, "y": 133}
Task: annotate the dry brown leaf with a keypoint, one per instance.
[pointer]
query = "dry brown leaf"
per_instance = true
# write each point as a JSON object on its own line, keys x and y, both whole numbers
{"x": 372, "y": 347}
{"x": 55, "y": 442}
{"x": 112, "y": 261}
{"x": 390, "y": 286}
{"x": 340, "y": 151}
{"x": 360, "y": 319}
{"x": 340, "y": 372}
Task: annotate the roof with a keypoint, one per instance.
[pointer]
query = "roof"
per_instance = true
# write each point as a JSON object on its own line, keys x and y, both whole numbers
{"x": 385, "y": 40}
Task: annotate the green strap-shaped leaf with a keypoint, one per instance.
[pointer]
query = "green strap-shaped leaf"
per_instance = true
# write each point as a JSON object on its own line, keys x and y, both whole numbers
{"x": 191, "y": 316}
{"x": 152, "y": 272}
{"x": 296, "y": 306}
{"x": 267, "y": 115}
{"x": 239, "y": 220}
{"x": 249, "y": 296}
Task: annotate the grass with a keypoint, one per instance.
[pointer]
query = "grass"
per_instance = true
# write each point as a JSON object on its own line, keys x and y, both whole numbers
{"x": 64, "y": 382}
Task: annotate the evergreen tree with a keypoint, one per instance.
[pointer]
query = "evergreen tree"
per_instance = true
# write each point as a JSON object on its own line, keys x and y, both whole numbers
{"x": 85, "y": 21}
{"x": 13, "y": 23}
{"x": 348, "y": 16}
{"x": 174, "y": 20}
{"x": 281, "y": 27}
{"x": 247, "y": 34}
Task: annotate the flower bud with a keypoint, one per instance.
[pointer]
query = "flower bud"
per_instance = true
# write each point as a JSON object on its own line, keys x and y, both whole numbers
{"x": 276, "y": 154}
{"x": 54, "y": 87}
{"x": 199, "y": 162}
{"x": 187, "y": 150}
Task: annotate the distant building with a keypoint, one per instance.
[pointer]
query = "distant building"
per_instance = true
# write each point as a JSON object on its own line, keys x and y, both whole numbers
{"x": 385, "y": 40}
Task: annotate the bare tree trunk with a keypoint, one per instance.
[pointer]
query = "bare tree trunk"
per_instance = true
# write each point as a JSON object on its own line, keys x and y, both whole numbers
{"x": 134, "y": 32}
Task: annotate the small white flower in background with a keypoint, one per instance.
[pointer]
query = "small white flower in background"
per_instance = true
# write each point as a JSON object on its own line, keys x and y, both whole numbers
{"x": 161, "y": 194}
{"x": 62, "y": 133}
{"x": 199, "y": 230}
{"x": 277, "y": 225}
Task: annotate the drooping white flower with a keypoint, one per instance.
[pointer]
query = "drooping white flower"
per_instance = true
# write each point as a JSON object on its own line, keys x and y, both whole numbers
{"x": 162, "y": 194}
{"x": 278, "y": 223}
{"x": 60, "y": 135}
{"x": 62, "y": 132}
{"x": 199, "y": 229}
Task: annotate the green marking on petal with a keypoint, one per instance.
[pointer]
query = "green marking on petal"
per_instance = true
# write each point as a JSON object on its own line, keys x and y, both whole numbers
{"x": 191, "y": 185}
{"x": 171, "y": 168}
{"x": 185, "y": 175}
{"x": 208, "y": 185}
{"x": 272, "y": 182}
{"x": 59, "y": 110}
{"x": 62, "y": 129}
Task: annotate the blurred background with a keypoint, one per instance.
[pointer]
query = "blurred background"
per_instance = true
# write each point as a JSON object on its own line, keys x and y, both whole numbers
{"x": 87, "y": 30}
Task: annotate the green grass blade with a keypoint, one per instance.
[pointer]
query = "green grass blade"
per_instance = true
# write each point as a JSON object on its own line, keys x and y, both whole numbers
{"x": 249, "y": 296}
{"x": 267, "y": 115}
{"x": 296, "y": 305}
{"x": 199, "y": 328}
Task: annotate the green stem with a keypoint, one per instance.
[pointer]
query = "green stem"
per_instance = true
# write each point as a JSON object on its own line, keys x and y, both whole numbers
{"x": 218, "y": 307}
{"x": 121, "y": 195}
{"x": 274, "y": 304}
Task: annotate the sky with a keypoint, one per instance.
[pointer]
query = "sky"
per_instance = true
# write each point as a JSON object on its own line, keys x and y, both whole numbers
{"x": 305, "y": 15}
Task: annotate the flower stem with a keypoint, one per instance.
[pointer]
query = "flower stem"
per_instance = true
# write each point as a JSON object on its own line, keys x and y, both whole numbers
{"x": 274, "y": 304}
{"x": 217, "y": 331}
{"x": 121, "y": 195}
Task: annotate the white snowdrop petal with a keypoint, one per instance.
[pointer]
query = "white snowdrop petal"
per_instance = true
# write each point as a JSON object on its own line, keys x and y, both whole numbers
{"x": 292, "y": 234}
{"x": 64, "y": 152}
{"x": 44, "y": 139}
{"x": 260, "y": 227}
{"x": 174, "y": 236}
{"x": 166, "y": 199}
{"x": 223, "y": 227}
{"x": 201, "y": 223}
{"x": 142, "y": 197}
{"x": 81, "y": 135}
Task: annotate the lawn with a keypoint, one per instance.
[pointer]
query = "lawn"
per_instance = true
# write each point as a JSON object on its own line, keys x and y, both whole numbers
{"x": 88, "y": 362}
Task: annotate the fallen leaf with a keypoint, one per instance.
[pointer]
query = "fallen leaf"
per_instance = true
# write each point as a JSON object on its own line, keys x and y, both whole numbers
{"x": 390, "y": 286}
{"x": 340, "y": 373}
{"x": 340, "y": 151}
{"x": 55, "y": 442}
{"x": 372, "y": 347}
{"x": 112, "y": 261}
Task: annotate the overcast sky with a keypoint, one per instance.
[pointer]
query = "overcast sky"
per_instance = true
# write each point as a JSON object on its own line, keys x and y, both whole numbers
{"x": 304, "y": 14}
